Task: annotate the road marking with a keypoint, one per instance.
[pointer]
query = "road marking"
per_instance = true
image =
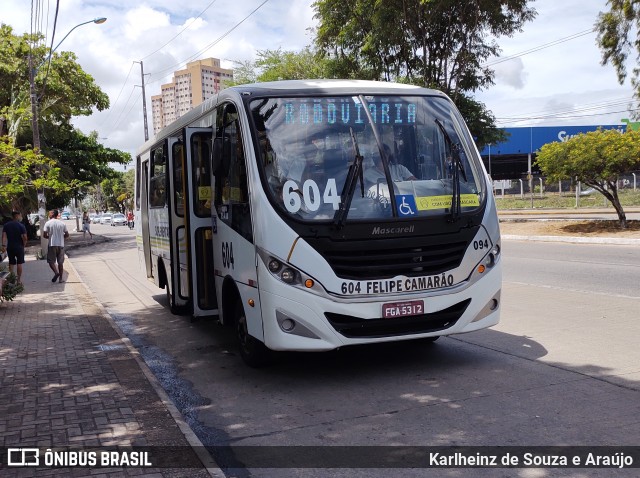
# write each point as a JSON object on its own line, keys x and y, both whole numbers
{"x": 568, "y": 289}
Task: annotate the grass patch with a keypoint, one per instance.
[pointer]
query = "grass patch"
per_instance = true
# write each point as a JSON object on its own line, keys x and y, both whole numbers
{"x": 566, "y": 201}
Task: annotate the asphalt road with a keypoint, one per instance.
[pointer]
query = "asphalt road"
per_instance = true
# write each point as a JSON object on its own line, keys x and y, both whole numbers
{"x": 561, "y": 368}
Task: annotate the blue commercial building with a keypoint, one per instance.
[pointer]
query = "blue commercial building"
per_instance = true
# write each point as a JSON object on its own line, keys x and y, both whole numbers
{"x": 509, "y": 160}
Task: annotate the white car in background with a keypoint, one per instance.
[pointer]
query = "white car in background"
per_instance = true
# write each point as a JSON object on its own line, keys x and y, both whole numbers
{"x": 105, "y": 219}
{"x": 118, "y": 219}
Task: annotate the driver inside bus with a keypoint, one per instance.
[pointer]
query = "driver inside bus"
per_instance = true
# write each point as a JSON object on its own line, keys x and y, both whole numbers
{"x": 313, "y": 153}
{"x": 398, "y": 171}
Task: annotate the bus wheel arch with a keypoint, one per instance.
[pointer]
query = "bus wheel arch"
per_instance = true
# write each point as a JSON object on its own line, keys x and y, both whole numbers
{"x": 253, "y": 351}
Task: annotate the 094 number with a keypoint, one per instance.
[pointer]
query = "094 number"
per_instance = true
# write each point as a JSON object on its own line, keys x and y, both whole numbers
{"x": 479, "y": 245}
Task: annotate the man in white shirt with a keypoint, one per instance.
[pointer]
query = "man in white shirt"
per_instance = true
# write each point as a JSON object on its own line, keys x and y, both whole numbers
{"x": 56, "y": 231}
{"x": 398, "y": 171}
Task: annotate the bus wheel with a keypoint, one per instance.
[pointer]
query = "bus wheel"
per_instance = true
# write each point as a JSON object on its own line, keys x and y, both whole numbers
{"x": 174, "y": 310}
{"x": 253, "y": 352}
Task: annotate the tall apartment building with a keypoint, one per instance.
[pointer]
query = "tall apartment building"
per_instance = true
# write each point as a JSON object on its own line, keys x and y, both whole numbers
{"x": 199, "y": 81}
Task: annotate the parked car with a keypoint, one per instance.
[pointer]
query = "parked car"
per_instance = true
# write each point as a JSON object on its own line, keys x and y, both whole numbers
{"x": 118, "y": 219}
{"x": 95, "y": 219}
{"x": 106, "y": 219}
{"x": 65, "y": 216}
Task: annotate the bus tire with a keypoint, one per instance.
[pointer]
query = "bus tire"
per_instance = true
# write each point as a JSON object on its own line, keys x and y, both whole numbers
{"x": 253, "y": 352}
{"x": 167, "y": 290}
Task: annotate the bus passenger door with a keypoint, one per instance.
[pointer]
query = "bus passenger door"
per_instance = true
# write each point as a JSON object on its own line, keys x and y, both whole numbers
{"x": 199, "y": 234}
{"x": 179, "y": 277}
{"x": 144, "y": 215}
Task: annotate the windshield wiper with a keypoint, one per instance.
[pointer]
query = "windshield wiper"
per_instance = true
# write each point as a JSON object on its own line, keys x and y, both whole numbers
{"x": 457, "y": 168}
{"x": 349, "y": 188}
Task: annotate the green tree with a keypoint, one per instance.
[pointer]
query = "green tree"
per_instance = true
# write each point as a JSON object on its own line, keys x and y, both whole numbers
{"x": 274, "y": 65}
{"x": 289, "y": 65}
{"x": 114, "y": 192}
{"x": 23, "y": 172}
{"x": 83, "y": 159}
{"x": 597, "y": 159}
{"x": 438, "y": 44}
{"x": 244, "y": 72}
{"x": 615, "y": 38}
{"x": 64, "y": 90}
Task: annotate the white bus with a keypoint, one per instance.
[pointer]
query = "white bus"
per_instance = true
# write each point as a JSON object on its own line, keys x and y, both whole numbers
{"x": 317, "y": 214}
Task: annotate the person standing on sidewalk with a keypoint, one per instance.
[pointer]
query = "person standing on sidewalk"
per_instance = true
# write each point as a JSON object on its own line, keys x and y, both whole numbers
{"x": 56, "y": 231}
{"x": 14, "y": 240}
{"x": 86, "y": 225}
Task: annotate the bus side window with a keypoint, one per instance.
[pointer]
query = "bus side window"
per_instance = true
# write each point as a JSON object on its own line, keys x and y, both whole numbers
{"x": 232, "y": 192}
{"x": 178, "y": 184}
{"x": 158, "y": 181}
{"x": 200, "y": 152}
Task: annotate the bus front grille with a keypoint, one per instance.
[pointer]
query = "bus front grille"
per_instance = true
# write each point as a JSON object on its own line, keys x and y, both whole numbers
{"x": 372, "y": 262}
{"x": 356, "y": 327}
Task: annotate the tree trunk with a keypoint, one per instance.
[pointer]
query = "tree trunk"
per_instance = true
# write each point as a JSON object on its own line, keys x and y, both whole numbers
{"x": 612, "y": 196}
{"x": 615, "y": 200}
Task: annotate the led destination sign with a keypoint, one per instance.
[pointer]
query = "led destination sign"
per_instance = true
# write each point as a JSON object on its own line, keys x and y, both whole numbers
{"x": 328, "y": 111}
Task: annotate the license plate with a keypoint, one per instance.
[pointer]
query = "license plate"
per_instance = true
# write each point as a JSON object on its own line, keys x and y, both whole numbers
{"x": 402, "y": 309}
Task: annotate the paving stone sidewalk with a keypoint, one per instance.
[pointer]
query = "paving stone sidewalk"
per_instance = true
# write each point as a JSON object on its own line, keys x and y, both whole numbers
{"x": 67, "y": 378}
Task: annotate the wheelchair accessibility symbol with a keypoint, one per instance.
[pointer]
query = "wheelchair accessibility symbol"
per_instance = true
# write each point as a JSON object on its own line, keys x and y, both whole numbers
{"x": 406, "y": 205}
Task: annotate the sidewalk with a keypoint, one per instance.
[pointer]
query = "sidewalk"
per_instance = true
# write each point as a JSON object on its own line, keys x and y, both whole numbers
{"x": 68, "y": 378}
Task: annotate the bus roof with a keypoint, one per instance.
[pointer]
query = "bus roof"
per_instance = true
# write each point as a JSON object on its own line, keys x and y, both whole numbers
{"x": 330, "y": 86}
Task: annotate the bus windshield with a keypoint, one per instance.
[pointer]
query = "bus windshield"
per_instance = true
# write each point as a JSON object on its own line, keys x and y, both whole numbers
{"x": 417, "y": 143}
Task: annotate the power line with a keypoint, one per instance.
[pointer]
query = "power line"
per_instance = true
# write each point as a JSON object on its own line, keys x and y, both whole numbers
{"x": 554, "y": 113}
{"x": 172, "y": 68}
{"x": 579, "y": 116}
{"x": 117, "y": 122}
{"x": 112, "y": 107}
{"x": 160, "y": 74}
{"x": 181, "y": 31}
{"x": 540, "y": 47}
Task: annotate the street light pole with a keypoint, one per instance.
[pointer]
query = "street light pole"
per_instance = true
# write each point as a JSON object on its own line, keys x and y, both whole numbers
{"x": 42, "y": 202}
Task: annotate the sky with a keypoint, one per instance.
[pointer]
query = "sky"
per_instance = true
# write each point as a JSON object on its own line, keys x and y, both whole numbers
{"x": 562, "y": 84}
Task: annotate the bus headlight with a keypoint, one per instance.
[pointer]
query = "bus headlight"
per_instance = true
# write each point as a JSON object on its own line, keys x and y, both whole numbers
{"x": 492, "y": 257}
{"x": 288, "y": 275}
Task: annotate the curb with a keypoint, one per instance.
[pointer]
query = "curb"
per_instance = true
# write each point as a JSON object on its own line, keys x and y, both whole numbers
{"x": 572, "y": 211}
{"x": 574, "y": 240}
{"x": 208, "y": 462}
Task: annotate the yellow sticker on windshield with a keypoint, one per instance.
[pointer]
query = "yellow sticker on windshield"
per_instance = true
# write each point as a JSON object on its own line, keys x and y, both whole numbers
{"x": 426, "y": 203}
{"x": 204, "y": 193}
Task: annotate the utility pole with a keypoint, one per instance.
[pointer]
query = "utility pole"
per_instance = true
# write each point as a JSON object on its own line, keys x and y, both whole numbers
{"x": 144, "y": 103}
{"x": 42, "y": 201}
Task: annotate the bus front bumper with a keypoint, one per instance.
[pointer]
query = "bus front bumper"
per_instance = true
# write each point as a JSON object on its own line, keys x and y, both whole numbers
{"x": 296, "y": 320}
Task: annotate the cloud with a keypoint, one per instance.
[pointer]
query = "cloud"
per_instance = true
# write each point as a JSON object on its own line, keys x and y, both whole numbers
{"x": 141, "y": 20}
{"x": 511, "y": 73}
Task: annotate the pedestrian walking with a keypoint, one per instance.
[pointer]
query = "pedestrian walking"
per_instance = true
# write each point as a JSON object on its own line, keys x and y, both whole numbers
{"x": 14, "y": 240}
{"x": 86, "y": 225}
{"x": 56, "y": 231}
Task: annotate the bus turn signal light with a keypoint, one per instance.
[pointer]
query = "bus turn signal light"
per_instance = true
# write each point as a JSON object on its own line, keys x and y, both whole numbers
{"x": 481, "y": 268}
{"x": 308, "y": 283}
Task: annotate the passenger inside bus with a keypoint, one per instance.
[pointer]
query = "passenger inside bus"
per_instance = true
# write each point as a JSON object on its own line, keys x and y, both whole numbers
{"x": 374, "y": 173}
